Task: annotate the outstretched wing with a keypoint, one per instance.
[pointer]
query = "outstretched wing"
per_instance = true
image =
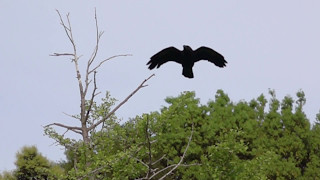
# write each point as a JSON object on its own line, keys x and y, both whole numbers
{"x": 165, "y": 55}
{"x": 210, "y": 55}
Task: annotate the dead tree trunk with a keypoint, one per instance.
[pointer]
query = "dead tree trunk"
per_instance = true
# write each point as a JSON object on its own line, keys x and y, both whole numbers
{"x": 84, "y": 82}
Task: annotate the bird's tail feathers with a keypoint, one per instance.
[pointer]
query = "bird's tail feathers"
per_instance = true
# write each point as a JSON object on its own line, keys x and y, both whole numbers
{"x": 187, "y": 72}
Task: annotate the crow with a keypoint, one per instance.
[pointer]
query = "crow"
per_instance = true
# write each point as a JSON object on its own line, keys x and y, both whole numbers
{"x": 187, "y": 57}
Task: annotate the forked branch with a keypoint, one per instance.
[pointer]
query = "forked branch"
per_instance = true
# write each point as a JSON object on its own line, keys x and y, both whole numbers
{"x": 119, "y": 105}
{"x": 107, "y": 60}
{"x": 173, "y": 167}
{"x": 182, "y": 157}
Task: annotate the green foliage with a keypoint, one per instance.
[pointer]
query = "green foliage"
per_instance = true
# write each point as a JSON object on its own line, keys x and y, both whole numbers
{"x": 313, "y": 166}
{"x": 259, "y": 139}
{"x": 32, "y": 165}
{"x": 7, "y": 175}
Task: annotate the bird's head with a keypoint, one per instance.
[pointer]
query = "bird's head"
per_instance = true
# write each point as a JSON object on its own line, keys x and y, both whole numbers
{"x": 187, "y": 48}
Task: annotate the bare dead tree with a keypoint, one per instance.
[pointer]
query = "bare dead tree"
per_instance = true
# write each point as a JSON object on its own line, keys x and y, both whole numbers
{"x": 84, "y": 83}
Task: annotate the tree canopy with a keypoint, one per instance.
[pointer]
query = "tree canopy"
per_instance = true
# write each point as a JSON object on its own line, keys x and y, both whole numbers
{"x": 33, "y": 165}
{"x": 258, "y": 139}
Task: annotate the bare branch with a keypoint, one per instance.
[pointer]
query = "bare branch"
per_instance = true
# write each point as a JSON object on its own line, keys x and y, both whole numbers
{"x": 140, "y": 161}
{"x": 154, "y": 172}
{"x": 124, "y": 101}
{"x": 76, "y": 131}
{"x": 107, "y": 60}
{"x": 93, "y": 171}
{"x": 98, "y": 36}
{"x": 94, "y": 53}
{"x": 149, "y": 147}
{"x": 71, "y": 115}
{"x": 99, "y": 168}
{"x": 97, "y": 94}
{"x": 61, "y": 54}
{"x": 181, "y": 159}
{"x": 168, "y": 167}
{"x": 64, "y": 126}
{"x": 92, "y": 95}
{"x": 65, "y": 132}
{"x": 159, "y": 160}
{"x": 67, "y": 29}
{"x": 70, "y": 34}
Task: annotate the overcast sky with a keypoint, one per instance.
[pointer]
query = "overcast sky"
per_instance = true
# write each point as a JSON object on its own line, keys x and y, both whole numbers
{"x": 270, "y": 44}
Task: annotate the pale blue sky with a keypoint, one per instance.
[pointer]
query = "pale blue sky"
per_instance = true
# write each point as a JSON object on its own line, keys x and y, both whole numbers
{"x": 271, "y": 44}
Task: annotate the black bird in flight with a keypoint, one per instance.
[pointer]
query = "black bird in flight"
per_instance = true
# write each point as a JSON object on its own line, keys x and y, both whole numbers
{"x": 186, "y": 58}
